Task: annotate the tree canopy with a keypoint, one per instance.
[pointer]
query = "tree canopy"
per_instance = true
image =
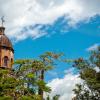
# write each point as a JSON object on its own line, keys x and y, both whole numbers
{"x": 90, "y": 74}
{"x": 26, "y": 80}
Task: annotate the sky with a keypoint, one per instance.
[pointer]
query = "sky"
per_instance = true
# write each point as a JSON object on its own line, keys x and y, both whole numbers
{"x": 68, "y": 26}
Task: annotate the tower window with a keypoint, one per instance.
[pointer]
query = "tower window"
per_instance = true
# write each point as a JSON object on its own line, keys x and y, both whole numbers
{"x": 5, "y": 61}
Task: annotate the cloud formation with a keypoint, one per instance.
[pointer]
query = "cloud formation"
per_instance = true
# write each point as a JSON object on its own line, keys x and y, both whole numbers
{"x": 64, "y": 86}
{"x": 22, "y": 16}
{"x": 93, "y": 47}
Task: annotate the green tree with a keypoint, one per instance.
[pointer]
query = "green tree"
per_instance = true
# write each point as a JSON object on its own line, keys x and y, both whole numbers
{"x": 48, "y": 59}
{"x": 32, "y": 73}
{"x": 90, "y": 74}
{"x": 56, "y": 97}
{"x": 28, "y": 72}
{"x": 8, "y": 84}
{"x": 27, "y": 80}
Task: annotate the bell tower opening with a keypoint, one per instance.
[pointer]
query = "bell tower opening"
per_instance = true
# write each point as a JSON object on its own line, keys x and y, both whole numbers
{"x": 6, "y": 61}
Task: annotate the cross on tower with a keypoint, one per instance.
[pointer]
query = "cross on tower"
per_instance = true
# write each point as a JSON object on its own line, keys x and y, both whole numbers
{"x": 2, "y": 20}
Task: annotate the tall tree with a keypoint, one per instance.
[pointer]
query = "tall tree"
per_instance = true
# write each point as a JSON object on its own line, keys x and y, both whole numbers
{"x": 27, "y": 80}
{"x": 33, "y": 71}
{"x": 48, "y": 59}
{"x": 90, "y": 74}
{"x": 29, "y": 72}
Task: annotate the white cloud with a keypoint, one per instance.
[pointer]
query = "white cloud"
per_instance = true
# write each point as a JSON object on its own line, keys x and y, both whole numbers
{"x": 93, "y": 47}
{"x": 97, "y": 69}
{"x": 23, "y": 13}
{"x": 64, "y": 86}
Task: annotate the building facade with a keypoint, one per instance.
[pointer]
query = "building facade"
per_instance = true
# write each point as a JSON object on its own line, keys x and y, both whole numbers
{"x": 6, "y": 50}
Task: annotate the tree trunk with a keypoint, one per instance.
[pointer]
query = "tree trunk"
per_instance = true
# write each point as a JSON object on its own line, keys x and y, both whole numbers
{"x": 40, "y": 90}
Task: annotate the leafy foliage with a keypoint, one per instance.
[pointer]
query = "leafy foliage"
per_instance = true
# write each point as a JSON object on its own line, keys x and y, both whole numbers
{"x": 90, "y": 89}
{"x": 26, "y": 81}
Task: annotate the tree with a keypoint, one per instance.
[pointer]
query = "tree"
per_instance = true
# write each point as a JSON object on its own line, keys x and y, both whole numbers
{"x": 32, "y": 72}
{"x": 48, "y": 59}
{"x": 90, "y": 74}
{"x": 8, "y": 84}
{"x": 56, "y": 97}
{"x": 27, "y": 80}
{"x": 29, "y": 73}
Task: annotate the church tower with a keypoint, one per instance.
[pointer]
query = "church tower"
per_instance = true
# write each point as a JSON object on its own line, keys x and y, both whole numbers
{"x": 6, "y": 50}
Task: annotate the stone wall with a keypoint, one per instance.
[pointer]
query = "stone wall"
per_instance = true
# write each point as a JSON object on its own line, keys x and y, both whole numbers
{"x": 8, "y": 54}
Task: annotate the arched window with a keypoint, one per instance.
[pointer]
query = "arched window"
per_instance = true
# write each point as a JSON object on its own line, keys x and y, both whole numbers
{"x": 5, "y": 61}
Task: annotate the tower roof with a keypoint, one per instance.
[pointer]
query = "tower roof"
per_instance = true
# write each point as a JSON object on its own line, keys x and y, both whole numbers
{"x": 4, "y": 41}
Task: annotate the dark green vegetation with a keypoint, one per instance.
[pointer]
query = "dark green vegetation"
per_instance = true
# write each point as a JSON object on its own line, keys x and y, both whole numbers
{"x": 90, "y": 74}
{"x": 26, "y": 81}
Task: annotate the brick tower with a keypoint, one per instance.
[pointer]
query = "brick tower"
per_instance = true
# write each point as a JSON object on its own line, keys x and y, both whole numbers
{"x": 6, "y": 50}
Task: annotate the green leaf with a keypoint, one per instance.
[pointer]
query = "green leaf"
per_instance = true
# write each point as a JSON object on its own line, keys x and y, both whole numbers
{"x": 30, "y": 75}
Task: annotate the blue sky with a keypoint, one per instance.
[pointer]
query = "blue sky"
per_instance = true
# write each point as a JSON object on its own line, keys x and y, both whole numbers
{"x": 73, "y": 42}
{"x": 68, "y": 26}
